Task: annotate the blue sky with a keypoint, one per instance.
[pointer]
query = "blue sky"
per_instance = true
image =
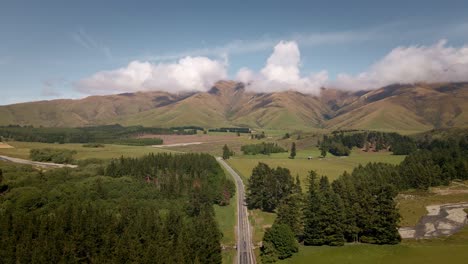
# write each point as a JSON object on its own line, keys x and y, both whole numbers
{"x": 48, "y": 47}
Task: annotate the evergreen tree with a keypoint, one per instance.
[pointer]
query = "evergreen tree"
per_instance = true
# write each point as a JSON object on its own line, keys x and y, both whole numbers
{"x": 226, "y": 152}
{"x": 292, "y": 155}
{"x": 279, "y": 242}
{"x": 324, "y": 214}
{"x": 290, "y": 213}
{"x": 312, "y": 233}
{"x": 267, "y": 187}
{"x": 323, "y": 152}
{"x": 386, "y": 215}
{"x": 332, "y": 211}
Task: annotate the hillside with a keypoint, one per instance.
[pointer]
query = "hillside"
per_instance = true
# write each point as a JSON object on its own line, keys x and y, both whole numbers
{"x": 416, "y": 107}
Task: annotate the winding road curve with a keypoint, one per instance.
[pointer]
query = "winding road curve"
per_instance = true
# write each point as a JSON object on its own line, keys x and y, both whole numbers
{"x": 245, "y": 253}
{"x": 36, "y": 163}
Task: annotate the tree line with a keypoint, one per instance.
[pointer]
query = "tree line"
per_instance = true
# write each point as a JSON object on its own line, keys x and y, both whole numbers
{"x": 340, "y": 143}
{"x": 154, "y": 209}
{"x": 109, "y": 134}
{"x": 262, "y": 148}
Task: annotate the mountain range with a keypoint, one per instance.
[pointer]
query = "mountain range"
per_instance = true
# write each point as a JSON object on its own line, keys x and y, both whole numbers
{"x": 407, "y": 107}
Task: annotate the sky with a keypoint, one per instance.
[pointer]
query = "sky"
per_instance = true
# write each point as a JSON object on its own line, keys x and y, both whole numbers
{"x": 73, "y": 49}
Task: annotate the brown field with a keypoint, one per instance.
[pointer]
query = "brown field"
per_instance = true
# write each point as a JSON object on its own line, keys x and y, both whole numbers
{"x": 4, "y": 145}
{"x": 180, "y": 139}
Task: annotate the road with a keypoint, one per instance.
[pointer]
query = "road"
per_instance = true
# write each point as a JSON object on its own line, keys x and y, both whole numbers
{"x": 245, "y": 253}
{"x": 36, "y": 163}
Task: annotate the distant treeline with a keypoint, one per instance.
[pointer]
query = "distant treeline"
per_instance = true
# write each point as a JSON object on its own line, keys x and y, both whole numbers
{"x": 155, "y": 209}
{"x": 262, "y": 148}
{"x": 231, "y": 129}
{"x": 183, "y": 128}
{"x": 111, "y": 134}
{"x": 341, "y": 143}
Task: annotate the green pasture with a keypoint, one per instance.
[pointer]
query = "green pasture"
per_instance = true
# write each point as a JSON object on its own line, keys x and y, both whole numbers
{"x": 330, "y": 166}
{"x": 21, "y": 150}
{"x": 453, "y": 249}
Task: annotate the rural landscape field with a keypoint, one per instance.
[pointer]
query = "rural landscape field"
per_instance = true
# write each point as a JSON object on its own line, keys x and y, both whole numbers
{"x": 234, "y": 132}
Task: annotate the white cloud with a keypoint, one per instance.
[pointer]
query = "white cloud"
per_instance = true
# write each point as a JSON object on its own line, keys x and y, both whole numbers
{"x": 189, "y": 73}
{"x": 436, "y": 63}
{"x": 282, "y": 72}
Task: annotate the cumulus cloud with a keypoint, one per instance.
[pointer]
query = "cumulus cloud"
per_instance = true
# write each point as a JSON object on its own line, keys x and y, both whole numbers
{"x": 282, "y": 72}
{"x": 187, "y": 74}
{"x": 436, "y": 63}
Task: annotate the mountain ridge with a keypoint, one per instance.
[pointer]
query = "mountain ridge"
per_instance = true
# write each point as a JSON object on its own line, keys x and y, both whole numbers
{"x": 416, "y": 107}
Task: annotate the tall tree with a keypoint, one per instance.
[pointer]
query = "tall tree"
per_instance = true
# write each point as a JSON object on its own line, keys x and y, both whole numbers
{"x": 279, "y": 242}
{"x": 292, "y": 155}
{"x": 312, "y": 232}
{"x": 386, "y": 217}
{"x": 323, "y": 152}
{"x": 267, "y": 187}
{"x": 289, "y": 213}
{"x": 226, "y": 152}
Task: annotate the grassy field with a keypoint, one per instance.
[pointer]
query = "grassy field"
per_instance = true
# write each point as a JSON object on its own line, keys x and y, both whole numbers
{"x": 453, "y": 249}
{"x": 21, "y": 150}
{"x": 260, "y": 221}
{"x": 229, "y": 256}
{"x": 226, "y": 218}
{"x": 330, "y": 166}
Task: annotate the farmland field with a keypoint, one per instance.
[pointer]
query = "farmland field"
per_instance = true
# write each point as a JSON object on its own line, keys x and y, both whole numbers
{"x": 453, "y": 249}
{"x": 330, "y": 166}
{"x": 21, "y": 150}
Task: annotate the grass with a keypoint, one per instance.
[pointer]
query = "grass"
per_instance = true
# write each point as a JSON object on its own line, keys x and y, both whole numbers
{"x": 260, "y": 221}
{"x": 229, "y": 256}
{"x": 226, "y": 218}
{"x": 330, "y": 166}
{"x": 453, "y": 249}
{"x": 21, "y": 150}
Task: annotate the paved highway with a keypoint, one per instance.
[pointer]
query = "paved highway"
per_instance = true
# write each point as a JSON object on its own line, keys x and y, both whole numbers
{"x": 245, "y": 253}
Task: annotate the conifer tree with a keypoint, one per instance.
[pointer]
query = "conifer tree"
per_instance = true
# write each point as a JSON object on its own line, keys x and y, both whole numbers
{"x": 226, "y": 152}
{"x": 290, "y": 213}
{"x": 312, "y": 231}
{"x": 292, "y": 155}
{"x": 279, "y": 242}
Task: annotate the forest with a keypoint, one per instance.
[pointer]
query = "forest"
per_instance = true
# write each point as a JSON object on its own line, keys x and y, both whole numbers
{"x": 357, "y": 207}
{"x": 147, "y": 210}
{"x": 109, "y": 134}
{"x": 340, "y": 143}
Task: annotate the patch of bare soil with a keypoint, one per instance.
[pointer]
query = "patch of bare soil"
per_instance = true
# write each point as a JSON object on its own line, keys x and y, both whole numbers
{"x": 454, "y": 188}
{"x": 4, "y": 145}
